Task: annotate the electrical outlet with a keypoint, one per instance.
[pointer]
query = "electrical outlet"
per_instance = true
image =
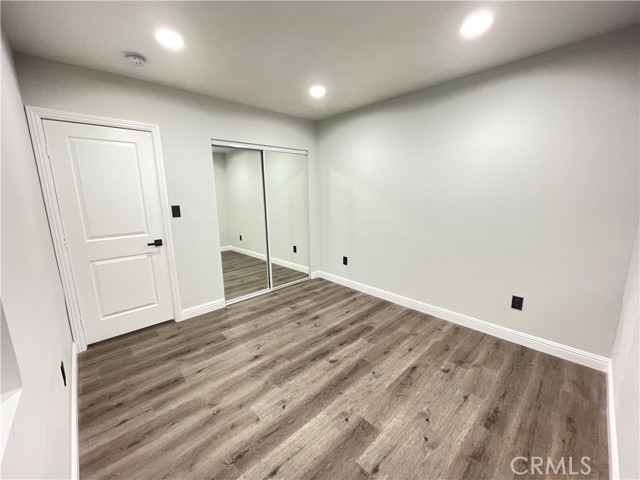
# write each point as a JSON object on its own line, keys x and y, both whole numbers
{"x": 64, "y": 374}
{"x": 175, "y": 211}
{"x": 516, "y": 302}
{"x": 345, "y": 260}
{"x": 295, "y": 249}
{"x": 240, "y": 237}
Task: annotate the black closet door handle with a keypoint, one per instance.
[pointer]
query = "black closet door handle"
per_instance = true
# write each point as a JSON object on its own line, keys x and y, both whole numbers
{"x": 156, "y": 243}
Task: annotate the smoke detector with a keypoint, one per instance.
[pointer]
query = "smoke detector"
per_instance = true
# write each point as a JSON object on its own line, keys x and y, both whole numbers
{"x": 135, "y": 59}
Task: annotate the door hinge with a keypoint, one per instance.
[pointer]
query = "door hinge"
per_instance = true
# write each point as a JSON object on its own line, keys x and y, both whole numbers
{"x": 46, "y": 147}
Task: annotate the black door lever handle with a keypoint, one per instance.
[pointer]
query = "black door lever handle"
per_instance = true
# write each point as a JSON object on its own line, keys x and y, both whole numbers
{"x": 156, "y": 243}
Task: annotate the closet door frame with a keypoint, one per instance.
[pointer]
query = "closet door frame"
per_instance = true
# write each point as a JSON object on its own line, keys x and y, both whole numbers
{"x": 263, "y": 149}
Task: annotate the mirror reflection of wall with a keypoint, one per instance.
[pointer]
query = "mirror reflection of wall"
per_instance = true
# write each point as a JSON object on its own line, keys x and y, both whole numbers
{"x": 240, "y": 197}
{"x": 286, "y": 183}
{"x": 251, "y": 252}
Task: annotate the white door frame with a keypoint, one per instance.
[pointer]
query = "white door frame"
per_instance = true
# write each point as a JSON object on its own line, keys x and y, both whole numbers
{"x": 35, "y": 117}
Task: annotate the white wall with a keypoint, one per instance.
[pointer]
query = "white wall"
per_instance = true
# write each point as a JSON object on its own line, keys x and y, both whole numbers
{"x": 245, "y": 201}
{"x": 187, "y": 123}
{"x": 625, "y": 363}
{"x": 39, "y": 442}
{"x": 522, "y": 180}
{"x": 286, "y": 179}
{"x": 220, "y": 175}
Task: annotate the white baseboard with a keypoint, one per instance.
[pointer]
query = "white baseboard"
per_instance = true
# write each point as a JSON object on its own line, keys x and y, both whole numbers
{"x": 291, "y": 265}
{"x": 263, "y": 257}
{"x": 614, "y": 465}
{"x": 249, "y": 253}
{"x": 316, "y": 274}
{"x": 565, "y": 352}
{"x": 201, "y": 309}
{"x": 75, "y": 463}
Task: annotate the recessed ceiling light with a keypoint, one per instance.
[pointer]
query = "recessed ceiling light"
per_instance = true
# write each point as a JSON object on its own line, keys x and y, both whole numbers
{"x": 170, "y": 39}
{"x": 476, "y": 24}
{"x": 317, "y": 91}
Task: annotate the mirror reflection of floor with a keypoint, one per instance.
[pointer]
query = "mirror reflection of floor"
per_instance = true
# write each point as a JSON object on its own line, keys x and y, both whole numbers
{"x": 244, "y": 274}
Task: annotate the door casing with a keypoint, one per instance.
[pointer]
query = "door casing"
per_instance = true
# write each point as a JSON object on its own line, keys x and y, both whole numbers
{"x": 35, "y": 117}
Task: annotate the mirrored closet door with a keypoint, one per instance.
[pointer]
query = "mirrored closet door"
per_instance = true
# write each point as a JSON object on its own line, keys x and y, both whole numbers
{"x": 262, "y": 201}
{"x": 286, "y": 184}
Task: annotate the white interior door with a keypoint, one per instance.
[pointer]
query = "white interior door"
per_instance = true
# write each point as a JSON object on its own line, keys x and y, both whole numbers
{"x": 106, "y": 186}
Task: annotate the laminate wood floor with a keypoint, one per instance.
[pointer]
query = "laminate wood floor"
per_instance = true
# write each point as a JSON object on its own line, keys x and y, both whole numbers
{"x": 244, "y": 274}
{"x": 320, "y": 381}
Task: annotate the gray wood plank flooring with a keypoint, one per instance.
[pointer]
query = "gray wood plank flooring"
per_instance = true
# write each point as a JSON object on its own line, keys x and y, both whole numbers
{"x": 320, "y": 381}
{"x": 244, "y": 274}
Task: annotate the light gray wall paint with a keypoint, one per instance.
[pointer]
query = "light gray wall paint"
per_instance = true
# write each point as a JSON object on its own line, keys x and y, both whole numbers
{"x": 245, "y": 201}
{"x": 187, "y": 123}
{"x": 625, "y": 363}
{"x": 521, "y": 180}
{"x": 220, "y": 174}
{"x": 39, "y": 442}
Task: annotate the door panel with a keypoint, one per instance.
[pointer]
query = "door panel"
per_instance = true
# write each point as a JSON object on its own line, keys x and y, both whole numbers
{"x": 107, "y": 191}
{"x": 102, "y": 168}
{"x": 108, "y": 275}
